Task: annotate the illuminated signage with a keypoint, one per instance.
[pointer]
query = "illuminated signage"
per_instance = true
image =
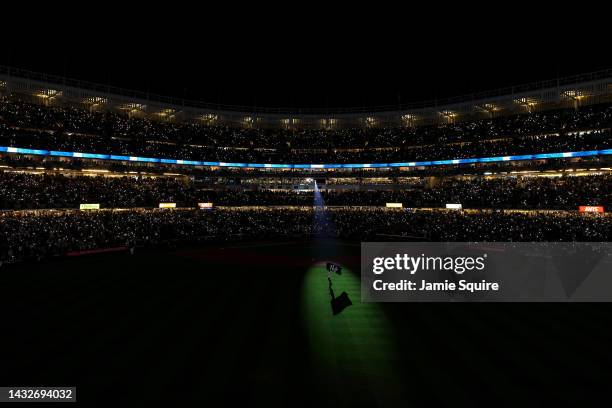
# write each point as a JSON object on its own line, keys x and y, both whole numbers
{"x": 89, "y": 206}
{"x": 167, "y": 205}
{"x": 453, "y": 206}
{"x": 205, "y": 206}
{"x": 395, "y": 205}
{"x": 591, "y": 209}
{"x": 537, "y": 156}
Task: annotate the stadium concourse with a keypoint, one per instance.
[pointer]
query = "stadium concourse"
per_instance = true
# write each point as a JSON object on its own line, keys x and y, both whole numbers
{"x": 534, "y": 175}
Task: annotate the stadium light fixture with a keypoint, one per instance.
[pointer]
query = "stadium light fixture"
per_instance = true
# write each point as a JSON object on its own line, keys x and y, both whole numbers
{"x": 208, "y": 117}
{"x": 449, "y": 115}
{"x": 488, "y": 107}
{"x": 95, "y": 100}
{"x": 408, "y": 118}
{"x": 526, "y": 102}
{"x": 290, "y": 121}
{"x": 328, "y": 122}
{"x": 49, "y": 93}
{"x": 574, "y": 94}
{"x": 133, "y": 107}
{"x": 249, "y": 121}
{"x": 166, "y": 113}
{"x": 2, "y": 84}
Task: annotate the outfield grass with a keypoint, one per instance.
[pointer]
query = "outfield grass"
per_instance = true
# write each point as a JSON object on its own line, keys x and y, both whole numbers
{"x": 355, "y": 347}
{"x": 254, "y": 321}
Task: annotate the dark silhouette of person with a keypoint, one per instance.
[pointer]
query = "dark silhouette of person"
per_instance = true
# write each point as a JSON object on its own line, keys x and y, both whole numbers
{"x": 338, "y": 304}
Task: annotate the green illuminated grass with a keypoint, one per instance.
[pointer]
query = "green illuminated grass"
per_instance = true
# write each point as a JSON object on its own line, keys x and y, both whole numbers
{"x": 355, "y": 347}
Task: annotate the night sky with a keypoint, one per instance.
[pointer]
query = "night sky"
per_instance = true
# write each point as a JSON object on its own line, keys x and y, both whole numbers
{"x": 318, "y": 65}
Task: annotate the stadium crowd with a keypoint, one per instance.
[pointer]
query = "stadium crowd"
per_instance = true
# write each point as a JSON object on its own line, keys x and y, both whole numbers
{"x": 75, "y": 129}
{"x": 52, "y": 233}
{"x": 47, "y": 232}
{"x": 47, "y": 191}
